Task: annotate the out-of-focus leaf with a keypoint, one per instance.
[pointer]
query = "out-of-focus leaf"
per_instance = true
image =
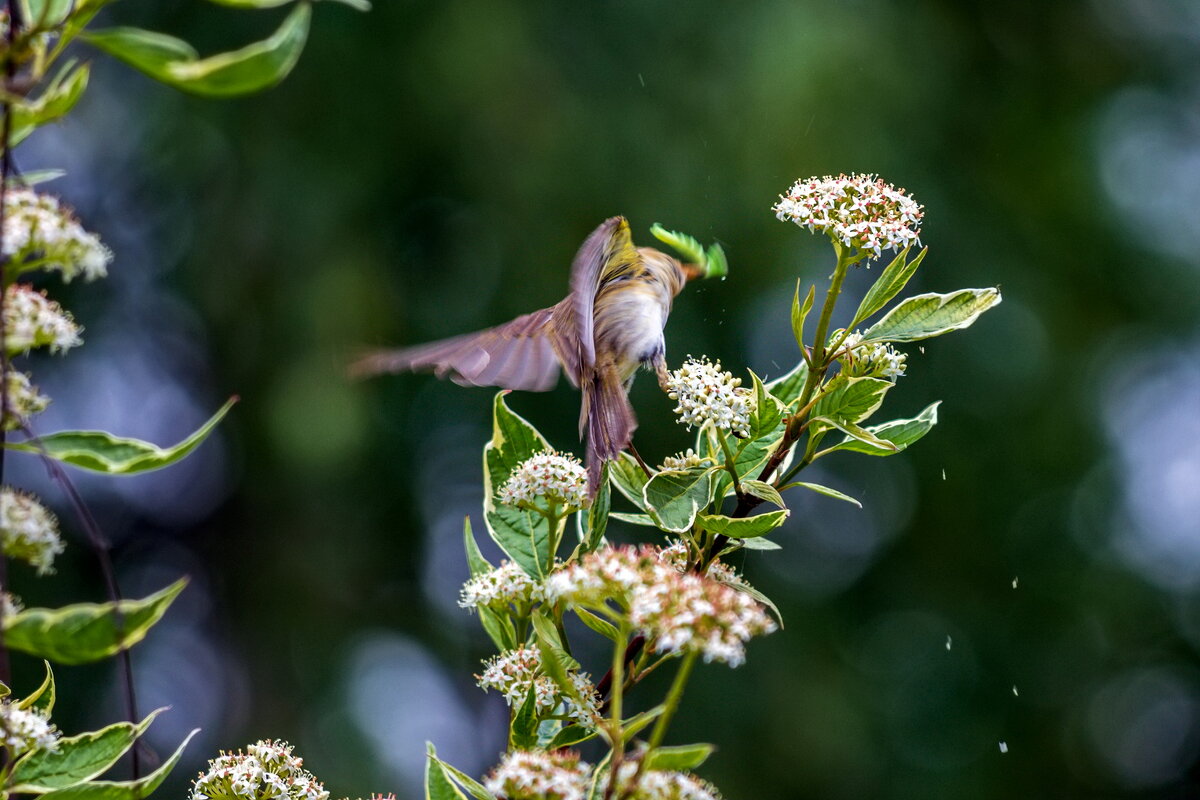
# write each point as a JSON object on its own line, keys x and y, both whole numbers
{"x": 760, "y": 544}
{"x": 100, "y": 451}
{"x": 77, "y": 758}
{"x": 474, "y": 788}
{"x": 45, "y": 14}
{"x": 476, "y": 563}
{"x": 59, "y": 97}
{"x": 35, "y": 177}
{"x": 358, "y": 5}
{"x": 679, "y": 758}
{"x": 900, "y": 432}
{"x": 825, "y": 490}
{"x": 499, "y": 628}
{"x": 600, "y": 626}
{"x": 78, "y": 634}
{"x": 523, "y": 535}
{"x": 122, "y": 790}
{"x": 924, "y": 316}
{"x": 645, "y": 520}
{"x": 570, "y": 736}
{"x": 593, "y": 520}
{"x": 438, "y": 785}
{"x": 743, "y": 527}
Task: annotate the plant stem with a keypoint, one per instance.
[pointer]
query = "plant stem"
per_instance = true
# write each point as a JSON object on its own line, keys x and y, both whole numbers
{"x": 674, "y": 695}
{"x": 615, "y": 732}
{"x": 729, "y": 465}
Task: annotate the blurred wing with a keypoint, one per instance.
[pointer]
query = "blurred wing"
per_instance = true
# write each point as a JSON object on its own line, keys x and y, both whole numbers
{"x": 604, "y": 256}
{"x": 515, "y": 355}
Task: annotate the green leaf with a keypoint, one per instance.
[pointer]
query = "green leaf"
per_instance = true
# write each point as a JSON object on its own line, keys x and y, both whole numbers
{"x": 635, "y": 724}
{"x": 825, "y": 490}
{"x": 900, "y": 432}
{"x": 523, "y": 535}
{"x": 473, "y": 787}
{"x": 557, "y": 664}
{"x": 174, "y": 62}
{"x": 477, "y": 564}
{"x": 763, "y": 491}
{"x": 570, "y": 736}
{"x": 767, "y": 425}
{"x": 855, "y": 431}
{"x": 35, "y": 177}
{"x": 45, "y": 14}
{"x": 122, "y": 790}
{"x": 927, "y": 315}
{"x": 628, "y": 477}
{"x": 787, "y": 387}
{"x": 499, "y": 628}
{"x": 77, "y": 758}
{"x": 593, "y": 520}
{"x": 800, "y": 312}
{"x": 438, "y": 785}
{"x": 759, "y": 544}
{"x": 78, "y": 634}
{"x": 600, "y": 626}
{"x": 851, "y": 399}
{"x": 890, "y": 283}
{"x": 743, "y": 527}
{"x": 59, "y": 97}
{"x": 673, "y": 497}
{"x": 100, "y": 451}
{"x": 645, "y": 520}
{"x": 43, "y": 697}
{"x": 750, "y": 591}
{"x": 523, "y": 731}
{"x": 679, "y": 758}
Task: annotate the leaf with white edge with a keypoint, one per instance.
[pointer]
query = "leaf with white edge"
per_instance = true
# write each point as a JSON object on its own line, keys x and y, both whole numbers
{"x": 438, "y": 785}
{"x": 523, "y": 535}
{"x": 742, "y": 527}
{"x": 674, "y": 497}
{"x": 476, "y": 563}
{"x": 100, "y": 451}
{"x": 800, "y": 312}
{"x": 592, "y": 521}
{"x": 59, "y": 97}
{"x": 763, "y": 491}
{"x": 600, "y": 626}
{"x": 122, "y": 790}
{"x": 899, "y": 432}
{"x": 523, "y": 731}
{"x": 146, "y": 51}
{"x": 499, "y": 628}
{"x": 825, "y": 490}
{"x": 43, "y": 697}
{"x": 644, "y": 520}
{"x": 45, "y": 14}
{"x": 851, "y": 399}
{"x": 628, "y": 477}
{"x": 789, "y": 386}
{"x": 473, "y": 787}
{"x": 890, "y": 283}
{"x": 85, "y": 632}
{"x": 924, "y": 316}
{"x": 767, "y": 424}
{"x": 855, "y": 431}
{"x": 77, "y": 758}
{"x": 679, "y": 758}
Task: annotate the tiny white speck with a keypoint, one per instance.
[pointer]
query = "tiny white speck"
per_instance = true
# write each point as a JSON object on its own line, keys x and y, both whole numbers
{"x": 641, "y": 80}
{"x": 921, "y": 347}
{"x": 1015, "y": 691}
{"x": 1004, "y": 747}
{"x": 943, "y": 473}
{"x": 948, "y": 642}
{"x": 1015, "y": 582}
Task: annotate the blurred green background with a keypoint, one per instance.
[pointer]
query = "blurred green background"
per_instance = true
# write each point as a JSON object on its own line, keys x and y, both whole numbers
{"x": 1027, "y": 575}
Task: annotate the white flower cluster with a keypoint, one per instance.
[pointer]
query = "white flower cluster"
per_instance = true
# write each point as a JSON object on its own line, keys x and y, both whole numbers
{"x": 506, "y": 585}
{"x": 24, "y": 400}
{"x": 708, "y": 395}
{"x": 513, "y": 672}
{"x": 531, "y": 775}
{"x": 558, "y": 478}
{"x": 860, "y": 211}
{"x": 25, "y": 729}
{"x": 658, "y": 784}
{"x": 33, "y": 320}
{"x": 39, "y": 231}
{"x": 677, "y": 611}
{"x": 28, "y": 531}
{"x": 678, "y": 555}
{"x": 688, "y": 459}
{"x": 875, "y": 360}
{"x": 266, "y": 771}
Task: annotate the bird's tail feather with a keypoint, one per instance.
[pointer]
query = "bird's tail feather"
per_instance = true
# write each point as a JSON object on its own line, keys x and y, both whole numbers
{"x": 610, "y": 423}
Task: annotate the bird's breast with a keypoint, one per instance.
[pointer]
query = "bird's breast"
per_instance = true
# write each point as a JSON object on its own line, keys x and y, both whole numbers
{"x": 629, "y": 320}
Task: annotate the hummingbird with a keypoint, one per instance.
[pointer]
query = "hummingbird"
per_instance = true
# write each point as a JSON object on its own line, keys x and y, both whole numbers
{"x": 610, "y": 324}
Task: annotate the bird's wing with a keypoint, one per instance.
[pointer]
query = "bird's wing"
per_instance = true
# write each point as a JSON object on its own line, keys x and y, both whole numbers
{"x": 605, "y": 255}
{"x": 515, "y": 355}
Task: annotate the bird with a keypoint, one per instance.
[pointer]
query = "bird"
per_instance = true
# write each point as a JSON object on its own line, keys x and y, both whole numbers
{"x": 609, "y": 324}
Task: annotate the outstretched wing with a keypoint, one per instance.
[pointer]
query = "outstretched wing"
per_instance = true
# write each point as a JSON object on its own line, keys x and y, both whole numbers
{"x": 515, "y": 355}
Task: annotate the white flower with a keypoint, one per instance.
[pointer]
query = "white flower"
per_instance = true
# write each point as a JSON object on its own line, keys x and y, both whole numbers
{"x": 678, "y": 555}
{"x": 531, "y": 775}
{"x": 708, "y": 395}
{"x": 688, "y": 459}
{"x": 507, "y": 584}
{"x": 513, "y": 672}
{"x": 28, "y": 531}
{"x": 12, "y": 604}
{"x": 40, "y": 231}
{"x": 557, "y": 477}
{"x": 266, "y": 771}
{"x": 657, "y": 784}
{"x": 33, "y": 320}
{"x": 860, "y": 211}
{"x": 876, "y": 360}
{"x": 23, "y": 730}
{"x": 24, "y": 401}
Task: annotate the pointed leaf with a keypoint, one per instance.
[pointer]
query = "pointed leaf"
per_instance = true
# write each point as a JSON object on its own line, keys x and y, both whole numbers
{"x": 438, "y": 785}
{"x": 890, "y": 283}
{"x": 635, "y": 724}
{"x": 855, "y": 431}
{"x": 750, "y": 591}
{"x": 45, "y": 14}
{"x": 679, "y": 758}
{"x": 763, "y": 491}
{"x": 77, "y": 758}
{"x": 53, "y": 104}
{"x": 523, "y": 731}
{"x": 600, "y": 626}
{"x": 570, "y": 736}
{"x": 759, "y": 544}
{"x": 927, "y": 315}
{"x": 122, "y": 790}
{"x": 851, "y": 399}
{"x": 499, "y": 628}
{"x": 100, "y": 451}
{"x": 800, "y": 312}
{"x": 523, "y": 535}
{"x": 473, "y": 787}
{"x": 84, "y": 632}
{"x": 825, "y": 490}
{"x": 788, "y": 387}
{"x": 477, "y": 564}
{"x": 673, "y": 497}
{"x": 900, "y": 432}
{"x": 743, "y": 527}
{"x": 628, "y": 477}
{"x": 593, "y": 520}
{"x": 43, "y": 697}
{"x": 645, "y": 520}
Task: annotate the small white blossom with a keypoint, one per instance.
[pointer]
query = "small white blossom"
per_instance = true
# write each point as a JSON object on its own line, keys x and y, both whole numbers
{"x": 611, "y": 573}
{"x": 38, "y": 230}
{"x": 860, "y": 211}
{"x": 33, "y": 320}
{"x": 708, "y": 395}
{"x": 28, "y": 530}
{"x": 25, "y": 729}
{"x": 688, "y": 459}
{"x": 678, "y": 555}
{"x": 506, "y": 585}
{"x": 531, "y": 775}
{"x": 875, "y": 360}
{"x": 513, "y": 672}
{"x": 11, "y": 604}
{"x": 24, "y": 400}
{"x": 266, "y": 771}
{"x": 558, "y": 478}
{"x": 657, "y": 784}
